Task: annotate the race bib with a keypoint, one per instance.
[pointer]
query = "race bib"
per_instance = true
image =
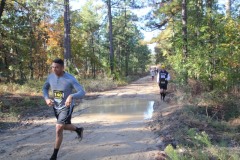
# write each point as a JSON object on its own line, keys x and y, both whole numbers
{"x": 58, "y": 94}
{"x": 163, "y": 82}
{"x": 162, "y": 76}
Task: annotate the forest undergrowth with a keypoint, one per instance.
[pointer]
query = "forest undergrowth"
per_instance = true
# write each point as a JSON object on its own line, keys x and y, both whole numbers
{"x": 199, "y": 125}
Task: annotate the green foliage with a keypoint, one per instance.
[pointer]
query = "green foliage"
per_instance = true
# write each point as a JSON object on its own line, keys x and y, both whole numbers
{"x": 200, "y": 139}
{"x": 132, "y": 56}
{"x": 223, "y": 153}
{"x": 200, "y": 135}
{"x": 201, "y": 147}
{"x": 33, "y": 36}
{"x": 213, "y": 52}
{"x": 21, "y": 43}
{"x": 172, "y": 153}
{"x": 227, "y": 105}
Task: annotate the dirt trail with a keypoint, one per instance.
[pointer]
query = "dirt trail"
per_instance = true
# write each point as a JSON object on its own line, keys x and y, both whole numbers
{"x": 103, "y": 139}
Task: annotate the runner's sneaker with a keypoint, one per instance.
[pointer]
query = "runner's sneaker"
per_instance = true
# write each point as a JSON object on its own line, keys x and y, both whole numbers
{"x": 79, "y": 133}
{"x": 53, "y": 158}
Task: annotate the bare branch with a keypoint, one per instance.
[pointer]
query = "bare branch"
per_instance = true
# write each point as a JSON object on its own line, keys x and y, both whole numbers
{"x": 165, "y": 21}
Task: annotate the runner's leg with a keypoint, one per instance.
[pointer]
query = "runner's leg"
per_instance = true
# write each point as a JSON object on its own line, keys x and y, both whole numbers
{"x": 161, "y": 92}
{"x": 164, "y": 94}
{"x": 58, "y": 141}
{"x": 70, "y": 127}
{"x": 62, "y": 117}
{"x": 59, "y": 135}
{"x": 164, "y": 91}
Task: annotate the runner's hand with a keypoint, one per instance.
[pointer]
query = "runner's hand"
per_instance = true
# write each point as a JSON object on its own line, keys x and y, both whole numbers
{"x": 68, "y": 101}
{"x": 49, "y": 102}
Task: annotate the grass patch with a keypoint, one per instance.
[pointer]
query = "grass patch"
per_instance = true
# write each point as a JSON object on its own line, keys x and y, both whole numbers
{"x": 18, "y": 101}
{"x": 98, "y": 85}
{"x": 13, "y": 108}
{"x": 202, "y": 126}
{"x": 198, "y": 136}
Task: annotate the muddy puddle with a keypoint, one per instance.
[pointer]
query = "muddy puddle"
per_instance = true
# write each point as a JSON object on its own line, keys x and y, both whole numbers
{"x": 116, "y": 109}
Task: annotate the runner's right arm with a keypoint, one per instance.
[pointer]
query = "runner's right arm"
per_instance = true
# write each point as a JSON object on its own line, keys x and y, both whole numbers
{"x": 45, "y": 90}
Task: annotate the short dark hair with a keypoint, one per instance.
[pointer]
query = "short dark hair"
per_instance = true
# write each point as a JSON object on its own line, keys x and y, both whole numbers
{"x": 59, "y": 61}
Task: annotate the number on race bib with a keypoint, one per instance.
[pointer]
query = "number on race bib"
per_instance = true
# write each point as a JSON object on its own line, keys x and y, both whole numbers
{"x": 58, "y": 94}
{"x": 163, "y": 82}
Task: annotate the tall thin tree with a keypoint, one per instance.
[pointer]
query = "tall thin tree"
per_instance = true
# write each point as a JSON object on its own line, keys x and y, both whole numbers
{"x": 184, "y": 34}
{"x": 67, "y": 40}
{"x": 110, "y": 36}
{"x": 228, "y": 8}
{"x": 211, "y": 43}
{"x": 3, "y": 2}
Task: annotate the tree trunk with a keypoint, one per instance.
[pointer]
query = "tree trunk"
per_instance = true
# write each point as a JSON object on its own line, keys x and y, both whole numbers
{"x": 199, "y": 15}
{"x": 211, "y": 52}
{"x": 126, "y": 62}
{"x": 228, "y": 8}
{"x": 31, "y": 54}
{"x": 86, "y": 67}
{"x": 125, "y": 43}
{"x": 184, "y": 34}
{"x": 32, "y": 46}
{"x": 93, "y": 60}
{"x": 184, "y": 28}
{"x": 67, "y": 29}
{"x": 3, "y": 2}
{"x": 110, "y": 37}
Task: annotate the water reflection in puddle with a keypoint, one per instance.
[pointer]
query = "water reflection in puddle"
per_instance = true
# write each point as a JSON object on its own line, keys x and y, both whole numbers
{"x": 117, "y": 109}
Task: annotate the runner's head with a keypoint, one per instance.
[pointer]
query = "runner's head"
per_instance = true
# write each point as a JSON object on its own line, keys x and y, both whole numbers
{"x": 163, "y": 67}
{"x": 58, "y": 66}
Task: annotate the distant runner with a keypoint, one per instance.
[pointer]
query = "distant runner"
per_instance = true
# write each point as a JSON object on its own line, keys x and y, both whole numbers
{"x": 152, "y": 72}
{"x": 162, "y": 79}
{"x": 62, "y": 85}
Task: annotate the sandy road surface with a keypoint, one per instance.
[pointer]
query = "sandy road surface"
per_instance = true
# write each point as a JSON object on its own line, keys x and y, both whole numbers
{"x": 103, "y": 139}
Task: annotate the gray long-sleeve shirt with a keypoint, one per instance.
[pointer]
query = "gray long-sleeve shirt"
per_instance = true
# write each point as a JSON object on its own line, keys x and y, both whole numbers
{"x": 62, "y": 87}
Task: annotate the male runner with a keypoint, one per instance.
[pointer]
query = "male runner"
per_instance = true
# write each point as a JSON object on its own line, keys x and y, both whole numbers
{"x": 62, "y": 85}
{"x": 162, "y": 79}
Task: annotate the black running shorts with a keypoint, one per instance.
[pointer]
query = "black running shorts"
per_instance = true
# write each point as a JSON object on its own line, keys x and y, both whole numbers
{"x": 63, "y": 115}
{"x": 163, "y": 86}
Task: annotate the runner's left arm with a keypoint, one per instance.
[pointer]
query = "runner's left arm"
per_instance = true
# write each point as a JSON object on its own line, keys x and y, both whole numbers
{"x": 80, "y": 91}
{"x": 168, "y": 77}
